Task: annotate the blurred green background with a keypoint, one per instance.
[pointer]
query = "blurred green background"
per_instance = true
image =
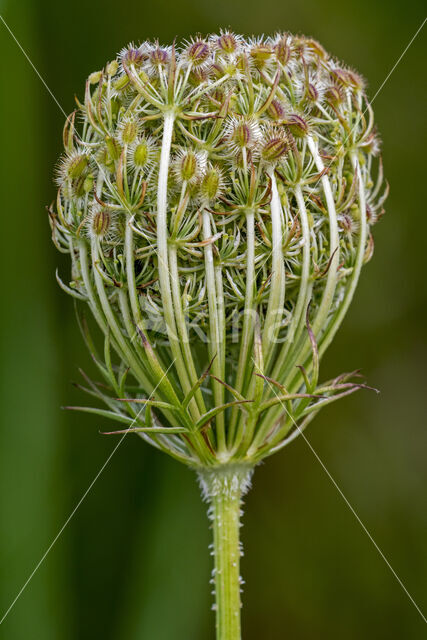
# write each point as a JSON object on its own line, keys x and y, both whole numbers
{"x": 133, "y": 562}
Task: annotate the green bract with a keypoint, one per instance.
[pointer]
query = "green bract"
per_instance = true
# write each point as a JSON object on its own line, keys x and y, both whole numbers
{"x": 216, "y": 201}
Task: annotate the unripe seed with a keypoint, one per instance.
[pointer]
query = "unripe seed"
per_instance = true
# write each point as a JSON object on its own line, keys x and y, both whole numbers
{"x": 121, "y": 83}
{"x": 276, "y": 110}
{"x": 76, "y": 166}
{"x": 159, "y": 57}
{"x": 211, "y": 183}
{"x": 198, "y": 52}
{"x": 88, "y": 183}
{"x": 78, "y": 186}
{"x": 227, "y": 42}
{"x": 188, "y": 166}
{"x": 274, "y": 148}
{"x": 95, "y": 77}
{"x": 101, "y": 222}
{"x": 282, "y": 51}
{"x": 141, "y": 153}
{"x": 113, "y": 147}
{"x": 297, "y": 125}
{"x": 260, "y": 53}
{"x": 335, "y": 94}
{"x": 133, "y": 56}
{"x": 112, "y": 68}
{"x": 129, "y": 132}
{"x": 312, "y": 92}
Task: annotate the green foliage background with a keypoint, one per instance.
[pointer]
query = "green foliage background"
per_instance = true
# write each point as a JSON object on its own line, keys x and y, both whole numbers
{"x": 133, "y": 562}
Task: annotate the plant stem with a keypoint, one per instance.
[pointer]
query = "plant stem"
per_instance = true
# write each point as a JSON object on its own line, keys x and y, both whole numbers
{"x": 224, "y": 488}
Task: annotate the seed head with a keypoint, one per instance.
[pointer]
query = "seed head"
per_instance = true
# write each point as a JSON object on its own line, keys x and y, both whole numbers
{"x": 217, "y": 200}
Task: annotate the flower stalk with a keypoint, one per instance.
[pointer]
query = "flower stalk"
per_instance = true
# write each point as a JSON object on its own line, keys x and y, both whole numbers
{"x": 224, "y": 490}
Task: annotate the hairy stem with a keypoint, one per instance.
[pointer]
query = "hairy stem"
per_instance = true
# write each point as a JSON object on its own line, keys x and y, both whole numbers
{"x": 224, "y": 488}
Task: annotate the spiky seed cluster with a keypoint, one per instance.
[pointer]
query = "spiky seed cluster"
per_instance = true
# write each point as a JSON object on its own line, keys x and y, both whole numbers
{"x": 216, "y": 201}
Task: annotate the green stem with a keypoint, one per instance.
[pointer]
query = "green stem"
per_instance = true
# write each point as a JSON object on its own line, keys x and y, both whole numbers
{"x": 216, "y": 334}
{"x": 163, "y": 262}
{"x": 276, "y": 298}
{"x": 248, "y": 319}
{"x": 224, "y": 488}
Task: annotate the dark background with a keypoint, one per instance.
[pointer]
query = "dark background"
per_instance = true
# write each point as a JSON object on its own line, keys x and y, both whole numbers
{"x": 133, "y": 562}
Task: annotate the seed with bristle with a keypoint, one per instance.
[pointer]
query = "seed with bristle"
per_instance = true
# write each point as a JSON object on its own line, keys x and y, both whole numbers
{"x": 78, "y": 186}
{"x": 188, "y": 166}
{"x": 276, "y": 110}
{"x": 227, "y": 42}
{"x": 101, "y": 221}
{"x": 348, "y": 78}
{"x": 355, "y": 80}
{"x": 198, "y": 52}
{"x": 198, "y": 75}
{"x": 141, "y": 153}
{"x": 297, "y": 125}
{"x": 113, "y": 148}
{"x": 348, "y": 223}
{"x": 312, "y": 92}
{"x": 88, "y": 183}
{"x": 132, "y": 56}
{"x": 372, "y": 145}
{"x": 275, "y": 146}
{"x": 159, "y": 57}
{"x": 121, "y": 83}
{"x": 282, "y": 50}
{"x": 95, "y": 77}
{"x": 112, "y": 68}
{"x": 212, "y": 183}
{"x": 76, "y": 165}
{"x": 334, "y": 94}
{"x": 260, "y": 54}
{"x": 317, "y": 48}
{"x": 243, "y": 133}
{"x": 128, "y": 131}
